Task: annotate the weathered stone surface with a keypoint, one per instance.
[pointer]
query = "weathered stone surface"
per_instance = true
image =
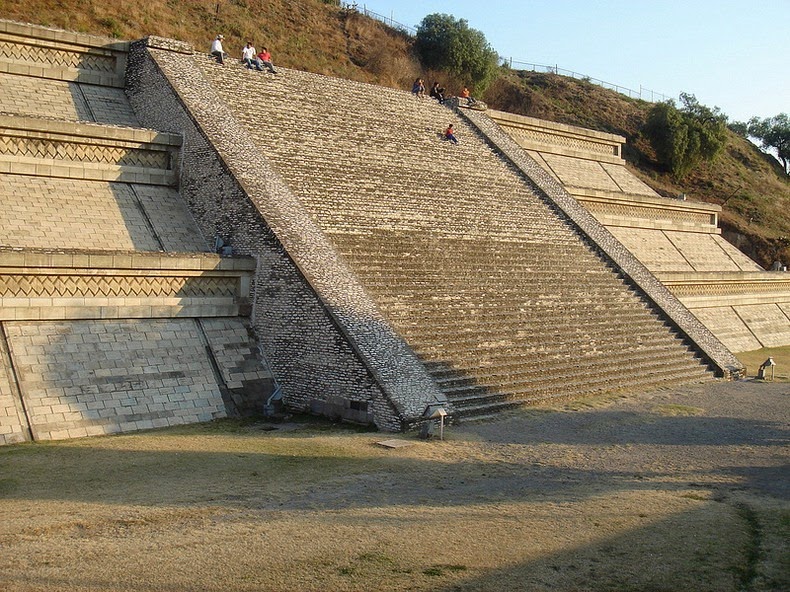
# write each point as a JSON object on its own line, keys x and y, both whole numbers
{"x": 666, "y": 235}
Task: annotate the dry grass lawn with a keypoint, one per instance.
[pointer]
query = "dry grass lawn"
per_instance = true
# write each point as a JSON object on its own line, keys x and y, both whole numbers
{"x": 781, "y": 355}
{"x": 677, "y": 490}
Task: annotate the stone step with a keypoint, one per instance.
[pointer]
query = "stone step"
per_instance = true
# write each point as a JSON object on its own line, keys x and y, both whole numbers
{"x": 540, "y": 362}
{"x": 601, "y": 369}
{"x": 485, "y": 408}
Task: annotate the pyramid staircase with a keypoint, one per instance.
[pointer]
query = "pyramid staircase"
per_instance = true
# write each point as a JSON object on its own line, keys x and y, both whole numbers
{"x": 497, "y": 294}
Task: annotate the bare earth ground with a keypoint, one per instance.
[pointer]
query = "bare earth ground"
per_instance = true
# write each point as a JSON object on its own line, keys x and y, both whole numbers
{"x": 674, "y": 490}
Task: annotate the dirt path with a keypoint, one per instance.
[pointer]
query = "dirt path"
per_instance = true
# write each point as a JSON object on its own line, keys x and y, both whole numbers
{"x": 667, "y": 491}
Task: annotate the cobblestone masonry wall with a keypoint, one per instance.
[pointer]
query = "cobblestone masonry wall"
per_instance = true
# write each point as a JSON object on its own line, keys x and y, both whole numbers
{"x": 309, "y": 352}
{"x": 84, "y": 378}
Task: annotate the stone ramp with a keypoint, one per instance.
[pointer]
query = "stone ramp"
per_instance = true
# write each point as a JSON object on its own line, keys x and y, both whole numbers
{"x": 457, "y": 252}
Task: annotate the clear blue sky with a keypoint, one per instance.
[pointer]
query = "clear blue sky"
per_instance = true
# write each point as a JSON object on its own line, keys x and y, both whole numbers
{"x": 731, "y": 54}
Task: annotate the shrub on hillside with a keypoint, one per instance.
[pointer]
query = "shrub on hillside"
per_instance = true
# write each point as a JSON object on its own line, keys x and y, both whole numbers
{"x": 774, "y": 133}
{"x": 446, "y": 44}
{"x": 683, "y": 138}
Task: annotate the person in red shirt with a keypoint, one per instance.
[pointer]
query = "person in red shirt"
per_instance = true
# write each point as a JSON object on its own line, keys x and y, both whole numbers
{"x": 265, "y": 59}
{"x": 449, "y": 134}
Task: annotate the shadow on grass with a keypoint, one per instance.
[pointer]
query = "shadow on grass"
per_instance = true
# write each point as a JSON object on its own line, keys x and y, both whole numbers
{"x": 241, "y": 464}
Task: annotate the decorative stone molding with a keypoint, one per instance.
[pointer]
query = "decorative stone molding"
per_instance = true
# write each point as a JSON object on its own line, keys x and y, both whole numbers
{"x": 102, "y": 285}
{"x": 43, "y": 52}
{"x": 558, "y": 138}
{"x": 42, "y": 147}
{"x": 637, "y": 211}
{"x": 725, "y": 287}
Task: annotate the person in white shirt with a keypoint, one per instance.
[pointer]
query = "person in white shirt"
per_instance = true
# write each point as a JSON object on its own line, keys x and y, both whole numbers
{"x": 248, "y": 56}
{"x": 216, "y": 49}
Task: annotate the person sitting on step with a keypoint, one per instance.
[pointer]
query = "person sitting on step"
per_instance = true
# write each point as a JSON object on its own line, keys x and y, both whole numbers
{"x": 465, "y": 94}
{"x": 248, "y": 56}
{"x": 449, "y": 134}
{"x": 216, "y": 49}
{"x": 437, "y": 92}
{"x": 265, "y": 59}
{"x": 418, "y": 88}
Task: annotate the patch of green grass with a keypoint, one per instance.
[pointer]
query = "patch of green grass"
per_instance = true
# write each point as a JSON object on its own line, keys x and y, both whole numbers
{"x": 752, "y": 551}
{"x": 379, "y": 558}
{"x": 695, "y": 496}
{"x": 753, "y": 359}
{"x": 7, "y": 486}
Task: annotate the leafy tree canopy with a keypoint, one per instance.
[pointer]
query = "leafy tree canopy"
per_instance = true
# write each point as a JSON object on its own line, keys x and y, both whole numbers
{"x": 685, "y": 137}
{"x": 444, "y": 43}
{"x": 774, "y": 133}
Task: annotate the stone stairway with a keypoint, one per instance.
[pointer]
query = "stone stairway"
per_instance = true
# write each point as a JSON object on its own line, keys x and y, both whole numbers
{"x": 492, "y": 288}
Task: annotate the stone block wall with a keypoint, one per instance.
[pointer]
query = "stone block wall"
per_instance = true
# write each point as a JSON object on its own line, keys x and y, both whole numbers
{"x": 61, "y": 177}
{"x": 746, "y": 310}
{"x": 41, "y": 52}
{"x": 105, "y": 279}
{"x": 13, "y": 423}
{"x": 87, "y": 378}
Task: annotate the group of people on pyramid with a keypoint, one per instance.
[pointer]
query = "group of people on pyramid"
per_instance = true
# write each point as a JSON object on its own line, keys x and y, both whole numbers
{"x": 249, "y": 56}
{"x": 437, "y": 92}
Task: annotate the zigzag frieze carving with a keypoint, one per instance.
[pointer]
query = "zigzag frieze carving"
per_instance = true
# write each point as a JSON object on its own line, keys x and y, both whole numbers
{"x": 87, "y": 286}
{"x": 728, "y": 288}
{"x": 77, "y": 152}
{"x": 56, "y": 57}
{"x": 626, "y": 211}
{"x": 530, "y": 137}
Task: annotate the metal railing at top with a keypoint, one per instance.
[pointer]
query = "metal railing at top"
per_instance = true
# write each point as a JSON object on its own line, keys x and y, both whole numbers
{"x": 389, "y": 21}
{"x": 643, "y": 93}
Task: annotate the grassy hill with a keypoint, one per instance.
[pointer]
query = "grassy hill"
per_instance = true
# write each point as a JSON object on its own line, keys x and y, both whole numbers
{"x": 320, "y": 37}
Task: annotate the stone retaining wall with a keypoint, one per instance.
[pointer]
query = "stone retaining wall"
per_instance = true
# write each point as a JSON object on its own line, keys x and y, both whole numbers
{"x": 87, "y": 378}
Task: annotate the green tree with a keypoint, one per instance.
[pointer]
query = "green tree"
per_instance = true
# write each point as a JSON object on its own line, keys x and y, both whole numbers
{"x": 774, "y": 133}
{"x": 444, "y": 43}
{"x": 683, "y": 138}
